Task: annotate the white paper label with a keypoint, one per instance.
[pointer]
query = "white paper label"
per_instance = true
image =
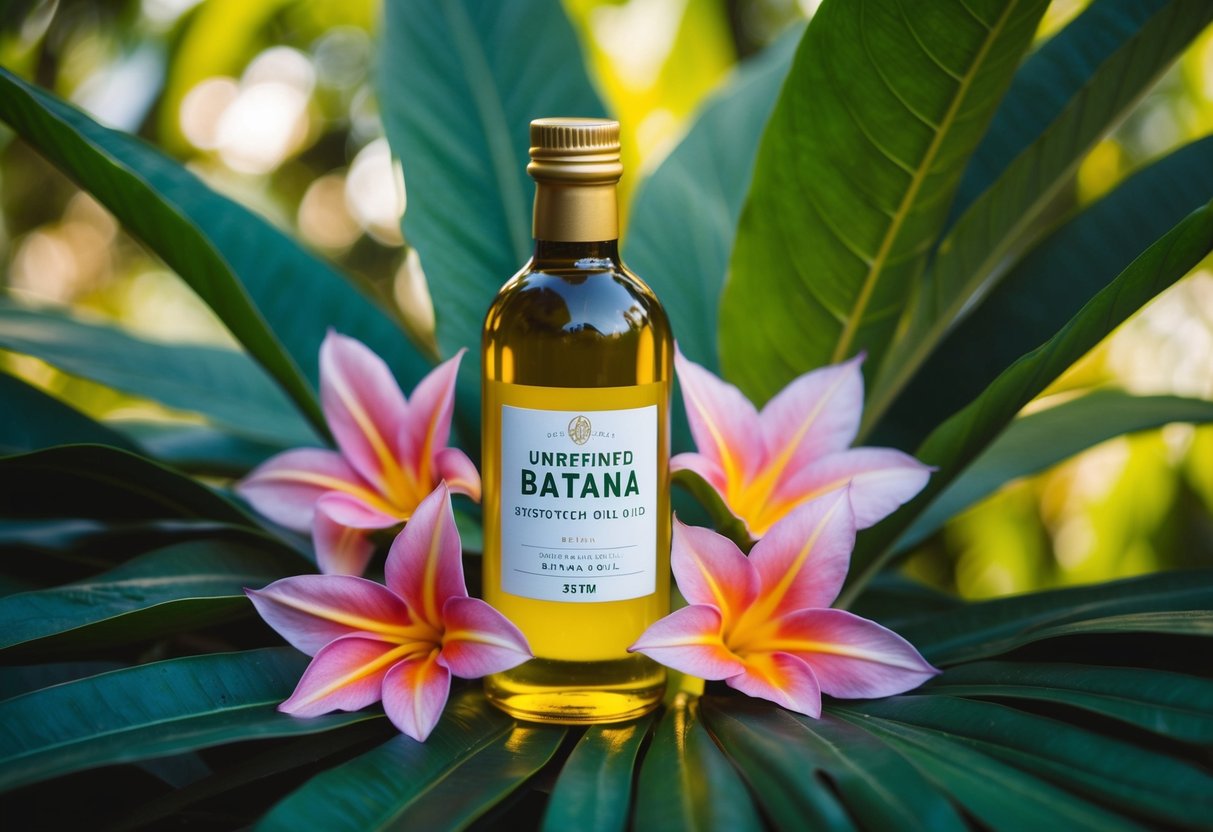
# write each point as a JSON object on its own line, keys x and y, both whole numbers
{"x": 579, "y": 503}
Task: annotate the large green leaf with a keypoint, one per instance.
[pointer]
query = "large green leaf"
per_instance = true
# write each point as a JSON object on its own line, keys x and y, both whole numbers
{"x": 982, "y": 630}
{"x": 854, "y": 177}
{"x": 955, "y": 443}
{"x": 94, "y": 481}
{"x": 1059, "y": 70}
{"x": 1172, "y": 704}
{"x": 275, "y": 297}
{"x": 1131, "y": 778}
{"x": 1189, "y": 622}
{"x": 1036, "y": 442}
{"x": 993, "y": 227}
{"x": 458, "y": 84}
{"x": 473, "y": 759}
{"x": 77, "y": 547}
{"x": 199, "y": 449}
{"x": 21, "y": 679}
{"x": 594, "y": 789}
{"x": 682, "y": 220}
{"x": 214, "y": 792}
{"x": 152, "y": 710}
{"x": 223, "y": 385}
{"x": 687, "y": 783}
{"x": 161, "y": 593}
{"x": 31, "y": 420}
{"x": 893, "y": 599}
{"x": 120, "y": 172}
{"x": 824, "y": 774}
{"x": 999, "y": 795}
{"x": 1046, "y": 288}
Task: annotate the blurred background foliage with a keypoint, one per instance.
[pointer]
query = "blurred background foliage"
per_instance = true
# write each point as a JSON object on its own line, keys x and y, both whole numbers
{"x": 270, "y": 101}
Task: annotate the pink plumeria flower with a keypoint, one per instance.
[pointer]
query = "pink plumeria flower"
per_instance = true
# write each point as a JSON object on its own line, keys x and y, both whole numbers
{"x": 391, "y": 454}
{"x": 765, "y": 464}
{"x": 762, "y": 623}
{"x": 401, "y": 642}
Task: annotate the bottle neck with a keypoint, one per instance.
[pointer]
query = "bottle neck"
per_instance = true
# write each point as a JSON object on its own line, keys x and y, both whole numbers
{"x": 565, "y": 254}
{"x": 582, "y": 212}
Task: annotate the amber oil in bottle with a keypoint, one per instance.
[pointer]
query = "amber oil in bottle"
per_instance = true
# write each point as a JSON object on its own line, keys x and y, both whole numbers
{"x": 577, "y": 361}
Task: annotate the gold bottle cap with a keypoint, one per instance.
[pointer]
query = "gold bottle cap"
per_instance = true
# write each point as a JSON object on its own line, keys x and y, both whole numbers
{"x": 575, "y": 150}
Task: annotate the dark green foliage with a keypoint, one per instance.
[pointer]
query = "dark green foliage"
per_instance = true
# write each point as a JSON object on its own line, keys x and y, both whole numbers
{"x": 854, "y": 203}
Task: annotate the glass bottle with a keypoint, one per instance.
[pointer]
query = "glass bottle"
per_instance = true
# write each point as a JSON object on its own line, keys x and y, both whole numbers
{"x": 577, "y": 362}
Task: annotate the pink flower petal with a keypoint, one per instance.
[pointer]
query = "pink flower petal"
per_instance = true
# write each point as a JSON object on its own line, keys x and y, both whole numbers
{"x": 881, "y": 479}
{"x": 364, "y": 409}
{"x": 285, "y": 487}
{"x": 427, "y": 429}
{"x": 457, "y": 471}
{"x": 689, "y": 640}
{"x": 414, "y": 694}
{"x": 348, "y": 510}
{"x": 478, "y": 640}
{"x": 425, "y": 564}
{"x": 803, "y": 560}
{"x": 704, "y": 467}
{"x": 723, "y": 421}
{"x": 309, "y": 611}
{"x": 816, "y": 414}
{"x": 852, "y": 656}
{"x": 710, "y": 569}
{"x": 781, "y": 678}
{"x": 340, "y": 549}
{"x": 346, "y": 675}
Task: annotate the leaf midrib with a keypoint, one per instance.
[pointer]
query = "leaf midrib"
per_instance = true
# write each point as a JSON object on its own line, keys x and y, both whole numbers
{"x": 851, "y": 328}
{"x": 496, "y": 126}
{"x": 918, "y": 349}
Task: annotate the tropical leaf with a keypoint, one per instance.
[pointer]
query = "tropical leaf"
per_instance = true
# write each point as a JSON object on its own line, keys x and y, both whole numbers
{"x": 685, "y": 780}
{"x": 1036, "y": 442}
{"x": 893, "y": 598}
{"x": 215, "y": 791}
{"x": 1171, "y": 704}
{"x": 474, "y": 758}
{"x": 955, "y": 443}
{"x": 221, "y": 384}
{"x": 594, "y": 790}
{"x": 680, "y": 230}
{"x": 95, "y": 481}
{"x": 199, "y": 449}
{"x": 95, "y": 545}
{"x": 995, "y": 224}
{"x": 252, "y": 275}
{"x": 1046, "y": 288}
{"x": 1065, "y": 67}
{"x": 990, "y": 628}
{"x": 152, "y": 710}
{"x": 999, "y": 795}
{"x": 459, "y": 83}
{"x": 1117, "y": 773}
{"x": 824, "y": 774}
{"x": 163, "y": 592}
{"x": 854, "y": 176}
{"x": 16, "y": 680}
{"x": 31, "y": 420}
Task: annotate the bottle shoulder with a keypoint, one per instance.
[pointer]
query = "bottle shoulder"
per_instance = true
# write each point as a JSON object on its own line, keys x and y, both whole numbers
{"x": 595, "y": 297}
